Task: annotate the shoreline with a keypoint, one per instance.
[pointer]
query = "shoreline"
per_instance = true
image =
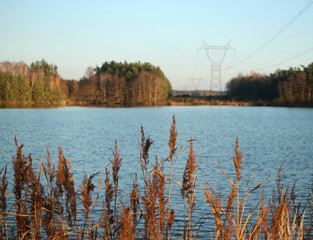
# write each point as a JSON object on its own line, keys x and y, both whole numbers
{"x": 170, "y": 102}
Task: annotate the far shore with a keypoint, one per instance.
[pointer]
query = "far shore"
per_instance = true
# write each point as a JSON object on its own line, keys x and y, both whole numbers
{"x": 173, "y": 101}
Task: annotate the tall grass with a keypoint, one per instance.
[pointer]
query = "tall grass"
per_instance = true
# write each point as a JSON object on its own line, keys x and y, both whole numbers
{"x": 45, "y": 203}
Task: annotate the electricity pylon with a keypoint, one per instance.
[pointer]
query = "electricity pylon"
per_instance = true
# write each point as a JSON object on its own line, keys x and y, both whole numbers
{"x": 216, "y": 63}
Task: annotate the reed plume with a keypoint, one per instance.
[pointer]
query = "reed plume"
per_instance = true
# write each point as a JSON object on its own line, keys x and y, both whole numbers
{"x": 232, "y": 225}
{"x": 260, "y": 227}
{"x": 3, "y": 189}
{"x": 107, "y": 218}
{"x": 308, "y": 232}
{"x": 127, "y": 227}
{"x": 21, "y": 167}
{"x": 86, "y": 200}
{"x": 215, "y": 202}
{"x": 144, "y": 153}
{"x": 187, "y": 191}
{"x": 49, "y": 210}
{"x": 3, "y": 203}
{"x": 173, "y": 148}
{"x": 170, "y": 220}
{"x": 66, "y": 192}
{"x": 150, "y": 203}
{"x": 237, "y": 159}
{"x": 286, "y": 221}
{"x": 162, "y": 202}
{"x": 134, "y": 203}
{"x": 173, "y": 138}
{"x": 116, "y": 163}
{"x": 50, "y": 201}
{"x": 37, "y": 193}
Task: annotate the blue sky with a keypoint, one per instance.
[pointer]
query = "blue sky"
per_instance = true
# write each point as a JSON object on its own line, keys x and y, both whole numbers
{"x": 76, "y": 34}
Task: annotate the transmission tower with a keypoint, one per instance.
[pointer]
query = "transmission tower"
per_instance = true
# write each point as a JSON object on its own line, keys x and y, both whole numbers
{"x": 216, "y": 55}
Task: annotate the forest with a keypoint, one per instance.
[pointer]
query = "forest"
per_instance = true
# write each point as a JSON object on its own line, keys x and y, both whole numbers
{"x": 142, "y": 84}
{"x": 124, "y": 84}
{"x": 39, "y": 83}
{"x": 113, "y": 83}
{"x": 293, "y": 86}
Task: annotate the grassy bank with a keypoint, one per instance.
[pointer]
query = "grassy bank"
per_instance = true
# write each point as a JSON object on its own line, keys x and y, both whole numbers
{"x": 172, "y": 101}
{"x": 229, "y": 101}
{"x": 45, "y": 203}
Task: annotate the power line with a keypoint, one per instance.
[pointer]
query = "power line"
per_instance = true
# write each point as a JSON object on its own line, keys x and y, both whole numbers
{"x": 288, "y": 60}
{"x": 281, "y": 30}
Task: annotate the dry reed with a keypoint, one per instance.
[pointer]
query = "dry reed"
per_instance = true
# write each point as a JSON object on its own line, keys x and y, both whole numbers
{"x": 116, "y": 163}
{"x": 3, "y": 203}
{"x": 86, "y": 200}
{"x": 173, "y": 148}
{"x": 188, "y": 190}
{"x": 50, "y": 202}
{"x": 49, "y": 210}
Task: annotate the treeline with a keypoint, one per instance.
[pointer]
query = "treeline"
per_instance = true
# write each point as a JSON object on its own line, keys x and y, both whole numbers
{"x": 39, "y": 83}
{"x": 123, "y": 83}
{"x": 292, "y": 86}
{"x": 112, "y": 83}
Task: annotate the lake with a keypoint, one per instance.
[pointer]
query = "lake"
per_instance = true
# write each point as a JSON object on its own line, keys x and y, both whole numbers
{"x": 268, "y": 136}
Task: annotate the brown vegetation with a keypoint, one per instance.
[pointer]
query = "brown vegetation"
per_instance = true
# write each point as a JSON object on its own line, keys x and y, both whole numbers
{"x": 46, "y": 204}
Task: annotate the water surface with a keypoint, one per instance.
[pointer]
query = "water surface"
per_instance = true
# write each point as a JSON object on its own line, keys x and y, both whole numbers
{"x": 268, "y": 136}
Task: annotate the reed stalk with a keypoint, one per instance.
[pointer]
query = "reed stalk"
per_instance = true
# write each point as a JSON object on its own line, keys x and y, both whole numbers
{"x": 188, "y": 191}
{"x": 173, "y": 148}
{"x": 49, "y": 210}
{"x": 134, "y": 204}
{"x": 3, "y": 203}
{"x": 116, "y": 163}
{"x": 50, "y": 201}
{"x": 127, "y": 227}
{"x": 86, "y": 200}
{"x": 107, "y": 219}
{"x": 66, "y": 194}
{"x": 236, "y": 225}
{"x": 21, "y": 167}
